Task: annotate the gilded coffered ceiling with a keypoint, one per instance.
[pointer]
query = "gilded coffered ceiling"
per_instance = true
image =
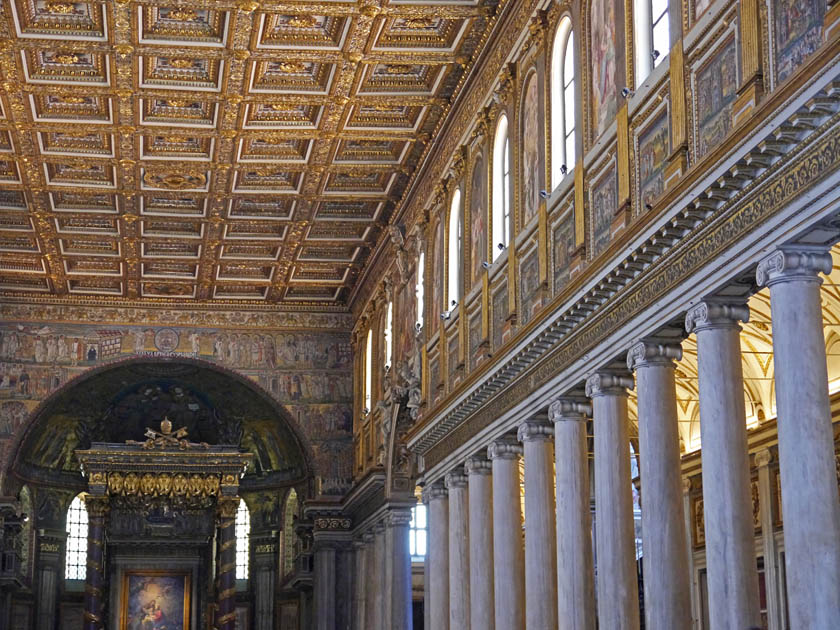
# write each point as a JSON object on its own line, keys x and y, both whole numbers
{"x": 215, "y": 150}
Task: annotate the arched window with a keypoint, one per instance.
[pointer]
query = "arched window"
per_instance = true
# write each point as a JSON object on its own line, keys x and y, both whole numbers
{"x": 75, "y": 559}
{"x": 289, "y": 532}
{"x": 368, "y": 370}
{"x": 389, "y": 334}
{"x": 562, "y": 102}
{"x": 455, "y": 238}
{"x": 653, "y": 36}
{"x": 501, "y": 187}
{"x": 242, "y": 528}
{"x": 419, "y": 290}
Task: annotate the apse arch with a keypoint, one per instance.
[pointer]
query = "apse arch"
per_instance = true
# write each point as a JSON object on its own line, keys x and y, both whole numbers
{"x": 194, "y": 386}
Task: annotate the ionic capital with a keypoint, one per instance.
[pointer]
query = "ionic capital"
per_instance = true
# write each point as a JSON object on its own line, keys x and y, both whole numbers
{"x": 569, "y": 409}
{"x": 398, "y": 518}
{"x": 795, "y": 263}
{"x": 763, "y": 457}
{"x": 437, "y": 491}
{"x": 507, "y": 447}
{"x": 367, "y": 538}
{"x": 359, "y": 544}
{"x": 456, "y": 479}
{"x": 608, "y": 384}
{"x": 535, "y": 430}
{"x": 706, "y": 315}
{"x": 379, "y": 527}
{"x": 647, "y": 353}
{"x": 478, "y": 465}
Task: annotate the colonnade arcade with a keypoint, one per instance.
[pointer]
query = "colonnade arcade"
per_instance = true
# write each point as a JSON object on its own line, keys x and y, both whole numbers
{"x": 487, "y": 567}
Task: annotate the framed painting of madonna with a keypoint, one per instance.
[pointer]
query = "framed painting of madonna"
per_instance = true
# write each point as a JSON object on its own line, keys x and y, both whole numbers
{"x": 155, "y": 600}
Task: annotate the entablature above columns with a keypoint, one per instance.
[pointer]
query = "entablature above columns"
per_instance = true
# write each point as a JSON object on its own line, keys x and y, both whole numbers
{"x": 712, "y": 232}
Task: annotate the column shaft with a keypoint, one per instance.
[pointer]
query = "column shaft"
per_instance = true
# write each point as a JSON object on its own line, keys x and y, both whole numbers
{"x": 667, "y": 583}
{"x": 618, "y": 587}
{"x": 459, "y": 551}
{"x": 325, "y": 604}
{"x": 508, "y": 551}
{"x": 226, "y": 577}
{"x": 806, "y": 442}
{"x": 378, "y": 577}
{"x": 575, "y": 581}
{"x": 540, "y": 527}
{"x": 360, "y": 585}
{"x": 97, "y": 508}
{"x": 768, "y": 515}
{"x": 732, "y": 577}
{"x": 371, "y": 582}
{"x": 400, "y": 560}
{"x": 480, "y": 489}
{"x": 439, "y": 557}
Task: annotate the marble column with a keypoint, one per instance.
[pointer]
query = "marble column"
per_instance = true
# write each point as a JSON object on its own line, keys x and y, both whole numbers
{"x": 427, "y": 598}
{"x": 438, "y": 550}
{"x": 615, "y": 545}
{"x": 459, "y": 550}
{"x": 508, "y": 550}
{"x": 361, "y": 577}
{"x": 480, "y": 491}
{"x": 97, "y": 509}
{"x": 540, "y": 528}
{"x": 371, "y": 583}
{"x": 396, "y": 542}
{"x": 575, "y": 581}
{"x": 324, "y": 587}
{"x": 732, "y": 577}
{"x": 667, "y": 582}
{"x": 377, "y": 577}
{"x": 807, "y": 466}
{"x": 768, "y": 515}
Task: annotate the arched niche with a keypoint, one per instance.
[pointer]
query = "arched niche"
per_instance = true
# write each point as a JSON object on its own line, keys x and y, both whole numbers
{"x": 118, "y": 401}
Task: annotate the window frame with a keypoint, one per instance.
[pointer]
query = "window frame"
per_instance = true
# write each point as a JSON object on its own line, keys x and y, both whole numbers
{"x": 644, "y": 25}
{"x": 367, "y": 400}
{"x": 561, "y": 85}
{"x": 502, "y": 202}
{"x": 242, "y": 523}
{"x": 77, "y": 507}
{"x": 455, "y": 249}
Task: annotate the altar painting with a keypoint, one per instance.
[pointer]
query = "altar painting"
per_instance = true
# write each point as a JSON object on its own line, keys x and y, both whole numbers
{"x": 155, "y": 600}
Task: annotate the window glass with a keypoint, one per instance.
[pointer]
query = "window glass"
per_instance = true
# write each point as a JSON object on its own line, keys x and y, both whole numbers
{"x": 243, "y": 534}
{"x": 418, "y": 533}
{"x": 75, "y": 567}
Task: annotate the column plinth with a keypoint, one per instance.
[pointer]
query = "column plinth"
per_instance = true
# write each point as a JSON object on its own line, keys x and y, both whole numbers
{"x": 480, "y": 490}
{"x": 575, "y": 581}
{"x": 667, "y": 581}
{"x": 508, "y": 552}
{"x": 618, "y": 587}
{"x": 540, "y": 529}
{"x": 806, "y": 443}
{"x": 732, "y": 576}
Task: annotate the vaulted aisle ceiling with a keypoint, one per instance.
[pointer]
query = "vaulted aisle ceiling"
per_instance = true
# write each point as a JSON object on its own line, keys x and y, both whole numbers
{"x": 211, "y": 149}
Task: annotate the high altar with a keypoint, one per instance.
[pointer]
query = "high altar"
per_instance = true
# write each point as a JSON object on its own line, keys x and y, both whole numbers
{"x": 161, "y": 538}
